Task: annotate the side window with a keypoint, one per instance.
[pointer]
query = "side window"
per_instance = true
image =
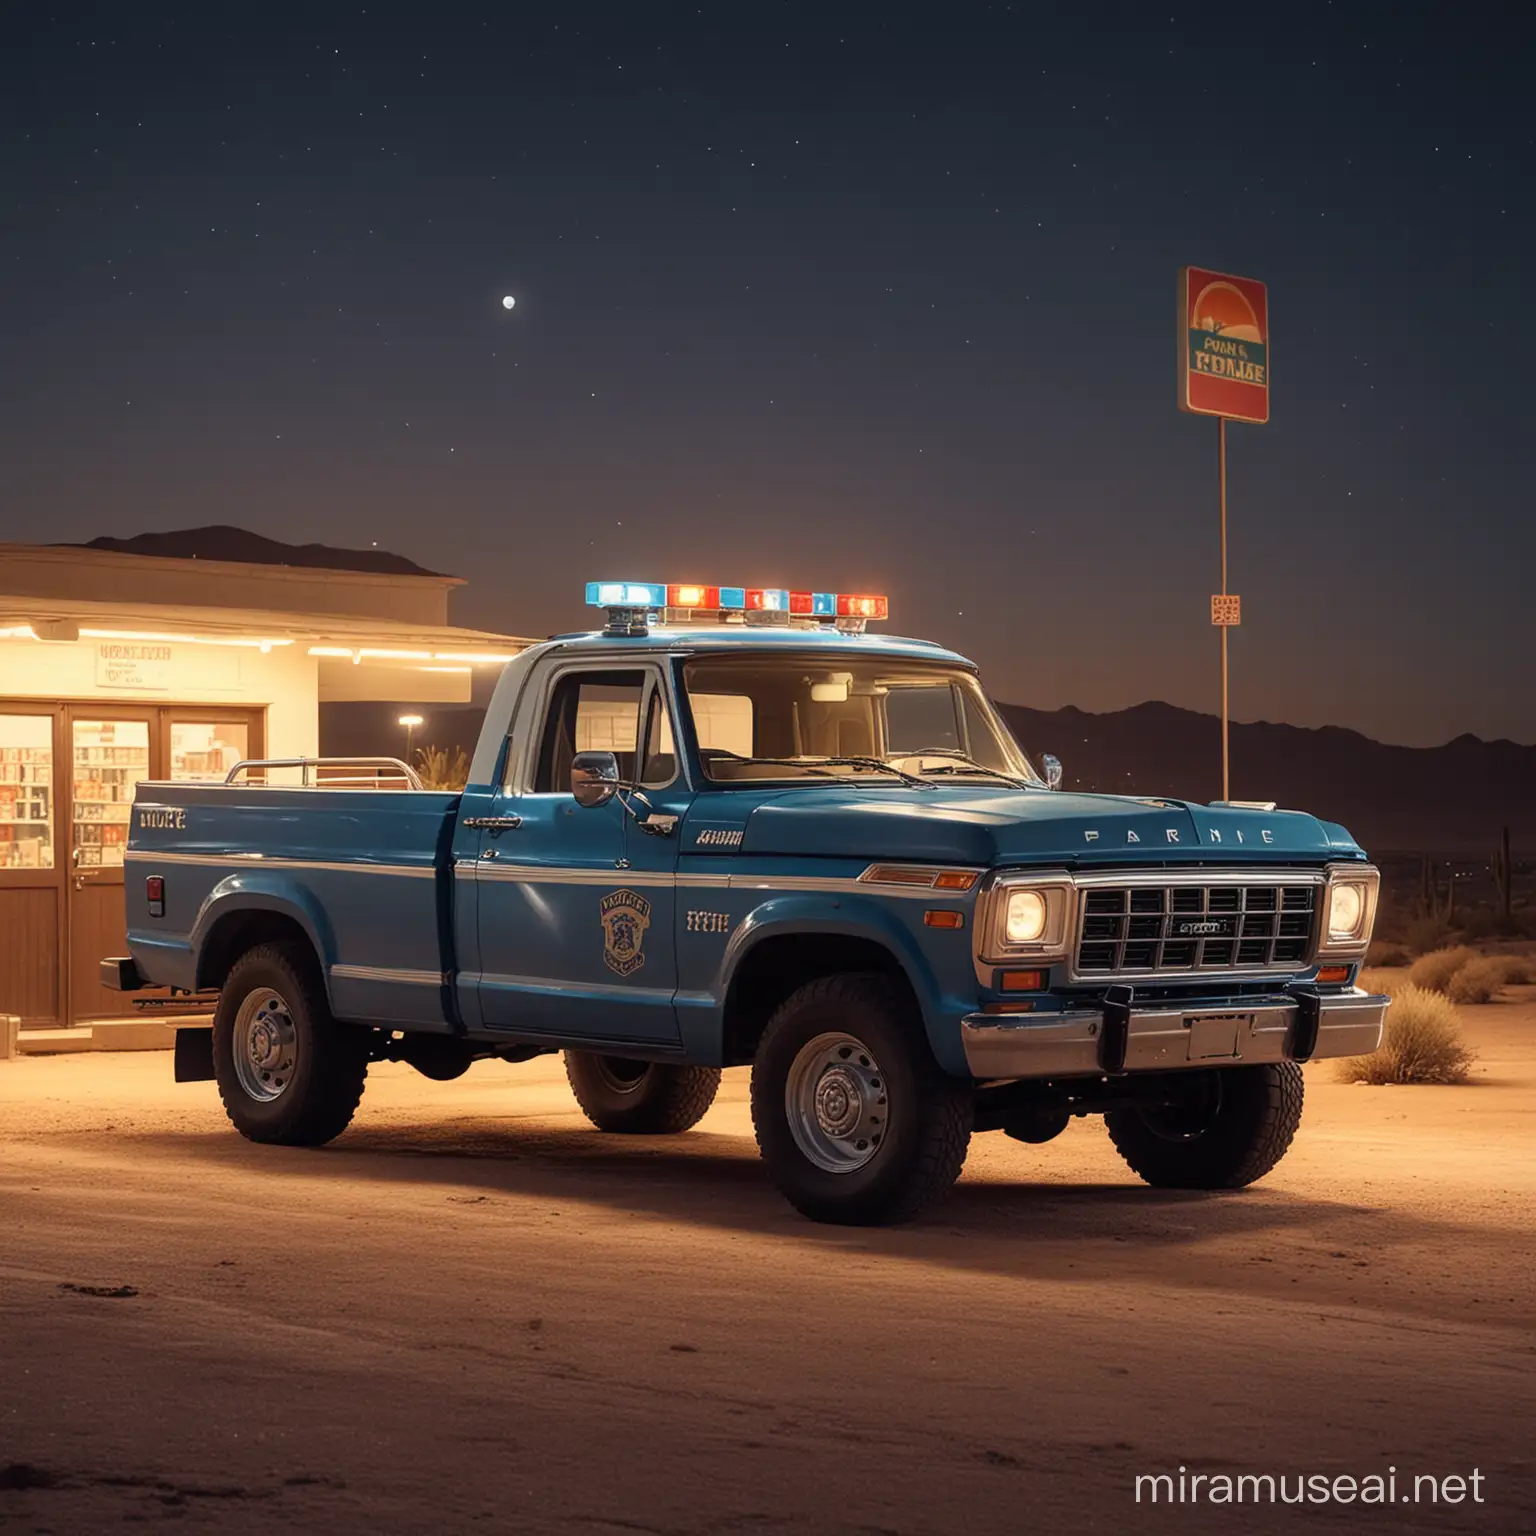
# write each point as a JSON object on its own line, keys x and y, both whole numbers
{"x": 981, "y": 738}
{"x": 660, "y": 763}
{"x": 589, "y": 712}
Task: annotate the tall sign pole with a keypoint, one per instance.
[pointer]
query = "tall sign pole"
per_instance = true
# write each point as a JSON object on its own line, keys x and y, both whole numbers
{"x": 1223, "y": 372}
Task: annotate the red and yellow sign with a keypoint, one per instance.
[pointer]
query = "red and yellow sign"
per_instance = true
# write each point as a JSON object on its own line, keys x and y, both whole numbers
{"x": 1223, "y": 345}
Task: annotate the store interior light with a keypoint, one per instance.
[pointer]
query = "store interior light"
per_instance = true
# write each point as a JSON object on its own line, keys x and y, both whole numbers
{"x": 249, "y": 642}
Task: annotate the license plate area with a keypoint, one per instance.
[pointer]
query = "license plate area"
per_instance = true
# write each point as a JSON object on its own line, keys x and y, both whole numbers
{"x": 1213, "y": 1036}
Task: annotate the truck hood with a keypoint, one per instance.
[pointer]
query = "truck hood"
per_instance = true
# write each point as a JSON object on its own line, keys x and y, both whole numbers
{"x": 991, "y": 825}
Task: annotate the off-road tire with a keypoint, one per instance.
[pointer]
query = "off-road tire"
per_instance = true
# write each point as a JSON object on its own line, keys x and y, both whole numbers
{"x": 640, "y": 1098}
{"x": 928, "y": 1125}
{"x": 1250, "y": 1131}
{"x": 331, "y": 1058}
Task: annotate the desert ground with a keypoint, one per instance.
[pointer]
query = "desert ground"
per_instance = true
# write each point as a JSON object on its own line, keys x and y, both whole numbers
{"x": 473, "y": 1312}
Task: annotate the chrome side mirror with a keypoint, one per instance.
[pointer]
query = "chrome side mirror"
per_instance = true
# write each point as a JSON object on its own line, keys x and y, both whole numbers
{"x": 1052, "y": 766}
{"x": 594, "y": 778}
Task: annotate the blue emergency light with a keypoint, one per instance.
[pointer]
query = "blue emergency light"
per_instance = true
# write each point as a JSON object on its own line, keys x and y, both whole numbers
{"x": 631, "y": 604}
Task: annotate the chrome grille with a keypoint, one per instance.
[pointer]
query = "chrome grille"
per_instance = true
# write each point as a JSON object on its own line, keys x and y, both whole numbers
{"x": 1193, "y": 926}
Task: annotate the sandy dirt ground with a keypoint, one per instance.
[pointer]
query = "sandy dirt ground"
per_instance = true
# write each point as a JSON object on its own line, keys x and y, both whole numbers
{"x": 473, "y": 1312}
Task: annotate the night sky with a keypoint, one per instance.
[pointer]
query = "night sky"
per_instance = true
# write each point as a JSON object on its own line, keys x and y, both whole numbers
{"x": 860, "y": 296}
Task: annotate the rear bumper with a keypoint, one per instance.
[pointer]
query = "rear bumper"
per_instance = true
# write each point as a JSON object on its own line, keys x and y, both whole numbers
{"x": 1297, "y": 1026}
{"x": 121, "y": 973}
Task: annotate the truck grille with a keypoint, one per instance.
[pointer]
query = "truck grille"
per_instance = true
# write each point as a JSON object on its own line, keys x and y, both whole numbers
{"x": 1195, "y": 927}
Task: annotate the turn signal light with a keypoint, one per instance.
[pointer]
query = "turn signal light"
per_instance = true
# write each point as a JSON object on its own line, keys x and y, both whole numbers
{"x": 939, "y": 918}
{"x": 1023, "y": 981}
{"x": 154, "y": 894}
{"x": 1332, "y": 975}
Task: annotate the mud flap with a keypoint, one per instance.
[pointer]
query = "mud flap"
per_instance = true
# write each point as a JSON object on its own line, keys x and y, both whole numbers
{"x": 1309, "y": 1016}
{"x": 1117, "y": 1030}
{"x": 194, "y": 1056}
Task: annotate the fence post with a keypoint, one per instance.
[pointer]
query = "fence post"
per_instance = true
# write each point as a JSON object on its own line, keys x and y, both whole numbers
{"x": 10, "y": 1036}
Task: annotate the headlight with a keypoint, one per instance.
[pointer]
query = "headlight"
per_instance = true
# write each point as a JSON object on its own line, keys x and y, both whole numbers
{"x": 1349, "y": 911}
{"x": 1345, "y": 912}
{"x": 1026, "y": 917}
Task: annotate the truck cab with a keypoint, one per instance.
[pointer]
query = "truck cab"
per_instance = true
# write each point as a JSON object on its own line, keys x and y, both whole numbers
{"x": 735, "y": 827}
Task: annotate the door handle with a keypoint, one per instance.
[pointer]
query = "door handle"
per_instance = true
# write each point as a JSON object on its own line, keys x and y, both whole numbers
{"x": 494, "y": 824}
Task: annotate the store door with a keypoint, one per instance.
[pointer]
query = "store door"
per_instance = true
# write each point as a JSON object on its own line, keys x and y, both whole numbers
{"x": 108, "y": 753}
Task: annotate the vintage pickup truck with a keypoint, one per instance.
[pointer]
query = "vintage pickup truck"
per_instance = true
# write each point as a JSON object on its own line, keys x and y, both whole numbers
{"x": 733, "y": 827}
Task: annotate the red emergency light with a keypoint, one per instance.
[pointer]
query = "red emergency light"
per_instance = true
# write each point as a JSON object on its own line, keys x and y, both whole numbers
{"x": 862, "y": 605}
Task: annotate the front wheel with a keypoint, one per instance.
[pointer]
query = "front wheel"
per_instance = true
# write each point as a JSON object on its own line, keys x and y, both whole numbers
{"x": 1231, "y": 1128}
{"x": 854, "y": 1119}
{"x": 287, "y": 1071}
{"x": 641, "y": 1097}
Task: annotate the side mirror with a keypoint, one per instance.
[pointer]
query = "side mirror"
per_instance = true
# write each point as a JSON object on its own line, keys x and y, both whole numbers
{"x": 594, "y": 778}
{"x": 1052, "y": 766}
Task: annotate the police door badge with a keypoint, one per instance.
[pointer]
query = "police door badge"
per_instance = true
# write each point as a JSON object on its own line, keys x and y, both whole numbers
{"x": 625, "y": 917}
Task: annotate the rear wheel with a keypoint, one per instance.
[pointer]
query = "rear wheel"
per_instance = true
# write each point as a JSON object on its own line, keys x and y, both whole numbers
{"x": 287, "y": 1071}
{"x": 640, "y": 1097}
{"x": 1231, "y": 1127}
{"x": 854, "y": 1119}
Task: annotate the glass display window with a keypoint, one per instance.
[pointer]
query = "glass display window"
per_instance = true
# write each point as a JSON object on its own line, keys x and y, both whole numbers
{"x": 109, "y": 758}
{"x": 26, "y": 792}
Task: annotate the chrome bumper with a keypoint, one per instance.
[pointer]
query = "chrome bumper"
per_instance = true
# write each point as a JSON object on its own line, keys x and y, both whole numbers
{"x": 1121, "y": 1038}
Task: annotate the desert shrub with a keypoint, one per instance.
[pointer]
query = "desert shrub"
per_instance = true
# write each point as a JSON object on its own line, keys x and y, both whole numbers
{"x": 440, "y": 768}
{"x": 1433, "y": 971}
{"x": 1422, "y": 1044}
{"x": 1422, "y": 935}
{"x": 1384, "y": 952}
{"x": 1517, "y": 971}
{"x": 1479, "y": 981}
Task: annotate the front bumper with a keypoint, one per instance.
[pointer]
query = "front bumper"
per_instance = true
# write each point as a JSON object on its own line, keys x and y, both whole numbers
{"x": 1120, "y": 1037}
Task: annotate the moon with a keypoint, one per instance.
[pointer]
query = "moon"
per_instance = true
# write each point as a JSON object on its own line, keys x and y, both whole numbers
{"x": 508, "y": 302}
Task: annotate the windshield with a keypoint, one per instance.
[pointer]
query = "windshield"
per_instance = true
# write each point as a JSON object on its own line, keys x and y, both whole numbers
{"x": 866, "y": 719}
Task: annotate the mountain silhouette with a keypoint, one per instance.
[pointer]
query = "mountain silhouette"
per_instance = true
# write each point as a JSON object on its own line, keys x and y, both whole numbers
{"x": 220, "y": 542}
{"x": 1448, "y": 799}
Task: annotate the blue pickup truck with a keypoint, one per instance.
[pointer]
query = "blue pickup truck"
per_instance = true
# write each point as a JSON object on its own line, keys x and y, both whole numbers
{"x": 733, "y": 827}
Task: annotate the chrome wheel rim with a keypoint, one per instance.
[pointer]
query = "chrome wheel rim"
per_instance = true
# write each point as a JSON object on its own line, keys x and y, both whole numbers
{"x": 265, "y": 1046}
{"x": 836, "y": 1102}
{"x": 621, "y": 1074}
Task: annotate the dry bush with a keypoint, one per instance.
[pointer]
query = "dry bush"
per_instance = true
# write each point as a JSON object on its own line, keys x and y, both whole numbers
{"x": 1385, "y": 952}
{"x": 1479, "y": 981}
{"x": 1434, "y": 970}
{"x": 1517, "y": 971}
{"x": 1422, "y": 1044}
{"x": 442, "y": 768}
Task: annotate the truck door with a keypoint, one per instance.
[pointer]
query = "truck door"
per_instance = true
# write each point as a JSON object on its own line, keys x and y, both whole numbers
{"x": 577, "y": 904}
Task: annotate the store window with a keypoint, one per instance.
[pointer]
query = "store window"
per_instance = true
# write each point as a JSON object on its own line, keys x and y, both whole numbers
{"x": 201, "y": 749}
{"x": 110, "y": 757}
{"x": 26, "y": 792}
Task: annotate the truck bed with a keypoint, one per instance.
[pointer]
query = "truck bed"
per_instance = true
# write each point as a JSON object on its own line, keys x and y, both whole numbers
{"x": 366, "y": 873}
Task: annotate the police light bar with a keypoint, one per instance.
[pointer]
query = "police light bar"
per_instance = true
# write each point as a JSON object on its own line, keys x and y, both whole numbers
{"x": 631, "y": 605}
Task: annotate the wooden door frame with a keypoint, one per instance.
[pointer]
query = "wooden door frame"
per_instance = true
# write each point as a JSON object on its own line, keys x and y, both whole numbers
{"x": 57, "y": 877}
{"x": 106, "y": 710}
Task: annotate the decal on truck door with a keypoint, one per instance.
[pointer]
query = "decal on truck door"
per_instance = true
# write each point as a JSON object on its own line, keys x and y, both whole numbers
{"x": 625, "y": 917}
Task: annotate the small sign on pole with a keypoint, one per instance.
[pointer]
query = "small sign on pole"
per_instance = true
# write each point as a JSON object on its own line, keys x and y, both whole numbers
{"x": 1226, "y": 609}
{"x": 1224, "y": 350}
